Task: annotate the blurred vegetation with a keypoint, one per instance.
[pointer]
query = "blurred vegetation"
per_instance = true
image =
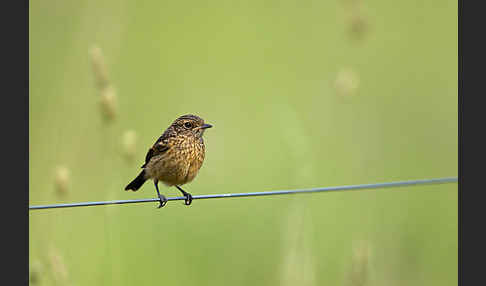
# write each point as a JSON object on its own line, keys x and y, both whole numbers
{"x": 301, "y": 94}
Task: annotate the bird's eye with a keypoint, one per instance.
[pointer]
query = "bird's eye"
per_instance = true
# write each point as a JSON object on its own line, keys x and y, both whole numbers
{"x": 188, "y": 125}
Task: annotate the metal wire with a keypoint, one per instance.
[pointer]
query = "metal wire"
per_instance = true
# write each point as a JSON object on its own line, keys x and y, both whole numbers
{"x": 254, "y": 194}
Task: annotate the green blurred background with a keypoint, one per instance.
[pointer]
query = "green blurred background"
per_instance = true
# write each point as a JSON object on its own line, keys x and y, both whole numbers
{"x": 301, "y": 94}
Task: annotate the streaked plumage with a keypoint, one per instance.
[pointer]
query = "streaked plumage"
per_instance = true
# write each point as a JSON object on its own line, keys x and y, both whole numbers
{"x": 176, "y": 157}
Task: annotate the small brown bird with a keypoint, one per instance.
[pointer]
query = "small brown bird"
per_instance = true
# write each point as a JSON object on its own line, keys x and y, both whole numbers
{"x": 175, "y": 158}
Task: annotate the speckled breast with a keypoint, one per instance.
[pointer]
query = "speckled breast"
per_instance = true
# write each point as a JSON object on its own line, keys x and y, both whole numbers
{"x": 180, "y": 164}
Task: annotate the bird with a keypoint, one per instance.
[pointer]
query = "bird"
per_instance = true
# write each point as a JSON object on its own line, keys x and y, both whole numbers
{"x": 175, "y": 158}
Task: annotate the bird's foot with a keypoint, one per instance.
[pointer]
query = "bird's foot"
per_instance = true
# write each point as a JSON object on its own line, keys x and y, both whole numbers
{"x": 188, "y": 199}
{"x": 188, "y": 196}
{"x": 163, "y": 201}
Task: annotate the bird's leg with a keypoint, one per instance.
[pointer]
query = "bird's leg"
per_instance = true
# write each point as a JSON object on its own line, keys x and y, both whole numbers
{"x": 162, "y": 198}
{"x": 188, "y": 196}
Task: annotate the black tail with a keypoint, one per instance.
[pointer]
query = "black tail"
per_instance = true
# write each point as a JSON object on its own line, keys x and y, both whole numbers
{"x": 137, "y": 182}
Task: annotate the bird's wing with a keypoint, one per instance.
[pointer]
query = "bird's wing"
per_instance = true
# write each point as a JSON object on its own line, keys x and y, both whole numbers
{"x": 154, "y": 151}
{"x": 160, "y": 146}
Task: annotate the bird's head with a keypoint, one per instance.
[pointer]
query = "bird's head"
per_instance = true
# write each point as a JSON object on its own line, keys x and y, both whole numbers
{"x": 190, "y": 125}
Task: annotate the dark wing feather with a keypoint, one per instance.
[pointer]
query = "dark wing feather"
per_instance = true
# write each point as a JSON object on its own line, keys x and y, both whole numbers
{"x": 149, "y": 155}
{"x": 160, "y": 146}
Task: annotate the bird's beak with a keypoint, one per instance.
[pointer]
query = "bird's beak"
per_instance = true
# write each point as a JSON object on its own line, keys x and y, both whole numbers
{"x": 206, "y": 126}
